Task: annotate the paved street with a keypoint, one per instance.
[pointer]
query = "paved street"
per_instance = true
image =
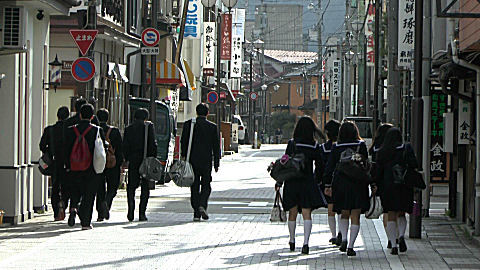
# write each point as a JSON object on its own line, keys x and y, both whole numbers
{"x": 238, "y": 235}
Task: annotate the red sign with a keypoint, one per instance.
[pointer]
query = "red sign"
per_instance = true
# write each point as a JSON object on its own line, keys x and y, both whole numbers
{"x": 208, "y": 72}
{"x": 212, "y": 97}
{"x": 83, "y": 69}
{"x": 253, "y": 95}
{"x": 235, "y": 93}
{"x": 150, "y": 37}
{"x": 226, "y": 44}
{"x": 223, "y": 95}
{"x": 84, "y": 39}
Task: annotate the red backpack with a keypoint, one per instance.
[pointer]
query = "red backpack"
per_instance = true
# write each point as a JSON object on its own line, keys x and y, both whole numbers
{"x": 80, "y": 158}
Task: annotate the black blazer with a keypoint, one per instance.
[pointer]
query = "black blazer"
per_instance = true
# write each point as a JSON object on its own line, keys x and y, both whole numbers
{"x": 115, "y": 140}
{"x": 205, "y": 143}
{"x": 91, "y": 136}
{"x": 55, "y": 146}
{"x": 334, "y": 157}
{"x": 133, "y": 142}
{"x": 73, "y": 120}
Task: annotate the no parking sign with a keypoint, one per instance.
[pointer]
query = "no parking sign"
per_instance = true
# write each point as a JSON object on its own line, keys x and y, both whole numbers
{"x": 212, "y": 97}
{"x": 83, "y": 69}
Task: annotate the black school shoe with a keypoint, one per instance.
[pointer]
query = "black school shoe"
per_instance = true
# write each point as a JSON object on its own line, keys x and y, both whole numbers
{"x": 130, "y": 214}
{"x": 142, "y": 218}
{"x": 402, "y": 244}
{"x": 203, "y": 213}
{"x": 305, "y": 249}
{"x": 292, "y": 246}
{"x": 343, "y": 246}
{"x": 333, "y": 240}
{"x": 351, "y": 252}
{"x": 394, "y": 251}
{"x": 339, "y": 239}
{"x": 72, "y": 217}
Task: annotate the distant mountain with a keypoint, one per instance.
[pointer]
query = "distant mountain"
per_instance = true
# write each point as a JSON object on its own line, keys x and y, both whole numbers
{"x": 332, "y": 20}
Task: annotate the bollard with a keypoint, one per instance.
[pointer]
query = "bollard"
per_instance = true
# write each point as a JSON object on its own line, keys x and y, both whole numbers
{"x": 1, "y": 216}
{"x": 255, "y": 138}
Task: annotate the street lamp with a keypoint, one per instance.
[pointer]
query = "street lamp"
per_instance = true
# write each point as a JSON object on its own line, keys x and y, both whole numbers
{"x": 229, "y": 3}
{"x": 55, "y": 73}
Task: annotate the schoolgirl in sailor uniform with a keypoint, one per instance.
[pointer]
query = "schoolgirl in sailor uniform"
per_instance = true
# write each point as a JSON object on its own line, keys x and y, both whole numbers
{"x": 303, "y": 194}
{"x": 350, "y": 197}
{"x": 331, "y": 130}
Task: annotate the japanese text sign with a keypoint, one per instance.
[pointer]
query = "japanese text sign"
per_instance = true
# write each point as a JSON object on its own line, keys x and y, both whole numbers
{"x": 226, "y": 42}
{"x": 209, "y": 45}
{"x": 464, "y": 125}
{"x": 236, "y": 64}
{"x": 83, "y": 39}
{"x": 369, "y": 28}
{"x": 194, "y": 19}
{"x": 438, "y": 158}
{"x": 336, "y": 78}
{"x": 406, "y": 32}
{"x": 239, "y": 22}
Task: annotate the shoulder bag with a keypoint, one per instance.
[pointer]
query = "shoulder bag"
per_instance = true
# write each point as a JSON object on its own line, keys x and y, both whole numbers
{"x": 182, "y": 171}
{"x": 288, "y": 167}
{"x": 278, "y": 214}
{"x": 151, "y": 169}
{"x": 375, "y": 209}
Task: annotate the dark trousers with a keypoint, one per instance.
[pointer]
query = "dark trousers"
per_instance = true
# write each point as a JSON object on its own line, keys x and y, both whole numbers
{"x": 134, "y": 181}
{"x": 110, "y": 177}
{"x": 84, "y": 188}
{"x": 60, "y": 191}
{"x": 201, "y": 189}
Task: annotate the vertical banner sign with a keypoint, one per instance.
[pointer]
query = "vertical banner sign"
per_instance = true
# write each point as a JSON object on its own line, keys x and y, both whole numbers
{"x": 193, "y": 20}
{"x": 464, "y": 128}
{"x": 369, "y": 27}
{"x": 208, "y": 48}
{"x": 226, "y": 49}
{"x": 236, "y": 64}
{"x": 406, "y": 32}
{"x": 438, "y": 163}
{"x": 336, "y": 77}
{"x": 239, "y": 23}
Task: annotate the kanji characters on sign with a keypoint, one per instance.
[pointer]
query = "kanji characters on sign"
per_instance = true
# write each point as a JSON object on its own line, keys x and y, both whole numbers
{"x": 406, "y": 31}
{"x": 208, "y": 48}
{"x": 236, "y": 64}
{"x": 193, "y": 20}
{"x": 336, "y": 77}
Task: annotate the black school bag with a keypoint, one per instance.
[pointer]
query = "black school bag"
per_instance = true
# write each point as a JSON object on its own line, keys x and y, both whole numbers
{"x": 288, "y": 167}
{"x": 354, "y": 166}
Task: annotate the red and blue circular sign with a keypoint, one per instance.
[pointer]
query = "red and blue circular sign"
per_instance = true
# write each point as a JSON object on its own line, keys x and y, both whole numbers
{"x": 212, "y": 97}
{"x": 253, "y": 95}
{"x": 83, "y": 69}
{"x": 150, "y": 37}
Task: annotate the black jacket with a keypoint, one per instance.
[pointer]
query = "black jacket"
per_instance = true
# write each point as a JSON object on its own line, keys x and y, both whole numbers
{"x": 205, "y": 143}
{"x": 334, "y": 157}
{"x": 52, "y": 141}
{"x": 115, "y": 140}
{"x": 403, "y": 155}
{"x": 73, "y": 120}
{"x": 91, "y": 136}
{"x": 133, "y": 142}
{"x": 312, "y": 153}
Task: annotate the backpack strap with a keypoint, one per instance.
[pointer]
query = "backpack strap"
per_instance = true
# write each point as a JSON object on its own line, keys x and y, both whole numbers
{"x": 86, "y": 131}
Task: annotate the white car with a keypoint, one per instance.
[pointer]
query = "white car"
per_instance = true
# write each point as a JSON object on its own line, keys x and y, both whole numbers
{"x": 241, "y": 128}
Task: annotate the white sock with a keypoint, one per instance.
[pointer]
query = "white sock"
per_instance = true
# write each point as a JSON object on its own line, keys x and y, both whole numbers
{"x": 402, "y": 226}
{"x": 392, "y": 233}
{"x": 344, "y": 228}
{"x": 354, "y": 229}
{"x": 332, "y": 224}
{"x": 291, "y": 230}
{"x": 307, "y": 229}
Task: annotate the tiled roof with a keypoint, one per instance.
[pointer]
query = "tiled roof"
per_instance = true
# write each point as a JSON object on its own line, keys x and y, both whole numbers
{"x": 292, "y": 57}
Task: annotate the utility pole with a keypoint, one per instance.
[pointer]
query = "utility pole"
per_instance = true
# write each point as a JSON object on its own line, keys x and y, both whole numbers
{"x": 378, "y": 18}
{"x": 320, "y": 65}
{"x": 417, "y": 116}
{"x": 219, "y": 66}
{"x": 393, "y": 88}
{"x": 153, "y": 69}
{"x": 91, "y": 18}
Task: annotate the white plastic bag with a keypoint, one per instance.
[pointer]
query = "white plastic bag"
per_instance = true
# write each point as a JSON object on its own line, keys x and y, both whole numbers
{"x": 99, "y": 155}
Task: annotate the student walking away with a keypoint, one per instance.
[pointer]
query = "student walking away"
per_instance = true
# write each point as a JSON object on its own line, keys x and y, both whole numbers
{"x": 75, "y": 119}
{"x": 133, "y": 148}
{"x": 111, "y": 174}
{"x": 331, "y": 129}
{"x": 393, "y": 159}
{"x": 80, "y": 146}
{"x": 303, "y": 193}
{"x": 376, "y": 145}
{"x": 347, "y": 178}
{"x": 52, "y": 142}
{"x": 205, "y": 145}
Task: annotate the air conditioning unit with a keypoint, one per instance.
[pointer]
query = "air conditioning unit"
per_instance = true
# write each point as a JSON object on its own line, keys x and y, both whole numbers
{"x": 12, "y": 28}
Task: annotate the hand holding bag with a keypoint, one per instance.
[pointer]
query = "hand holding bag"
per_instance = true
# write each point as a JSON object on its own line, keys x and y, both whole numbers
{"x": 375, "y": 209}
{"x": 151, "y": 169}
{"x": 99, "y": 155}
{"x": 278, "y": 214}
{"x": 182, "y": 171}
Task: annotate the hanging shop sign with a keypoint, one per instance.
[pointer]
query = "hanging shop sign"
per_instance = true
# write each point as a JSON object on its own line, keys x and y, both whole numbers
{"x": 239, "y": 23}
{"x": 406, "y": 32}
{"x": 226, "y": 44}
{"x": 369, "y": 28}
{"x": 336, "y": 78}
{"x": 208, "y": 48}
{"x": 438, "y": 157}
{"x": 193, "y": 20}
{"x": 236, "y": 64}
{"x": 464, "y": 124}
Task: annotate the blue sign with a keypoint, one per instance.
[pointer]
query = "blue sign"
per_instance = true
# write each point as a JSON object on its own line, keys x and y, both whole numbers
{"x": 193, "y": 20}
{"x": 212, "y": 97}
{"x": 83, "y": 69}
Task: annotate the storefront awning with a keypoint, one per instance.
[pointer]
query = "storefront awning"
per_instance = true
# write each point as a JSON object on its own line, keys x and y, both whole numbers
{"x": 168, "y": 74}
